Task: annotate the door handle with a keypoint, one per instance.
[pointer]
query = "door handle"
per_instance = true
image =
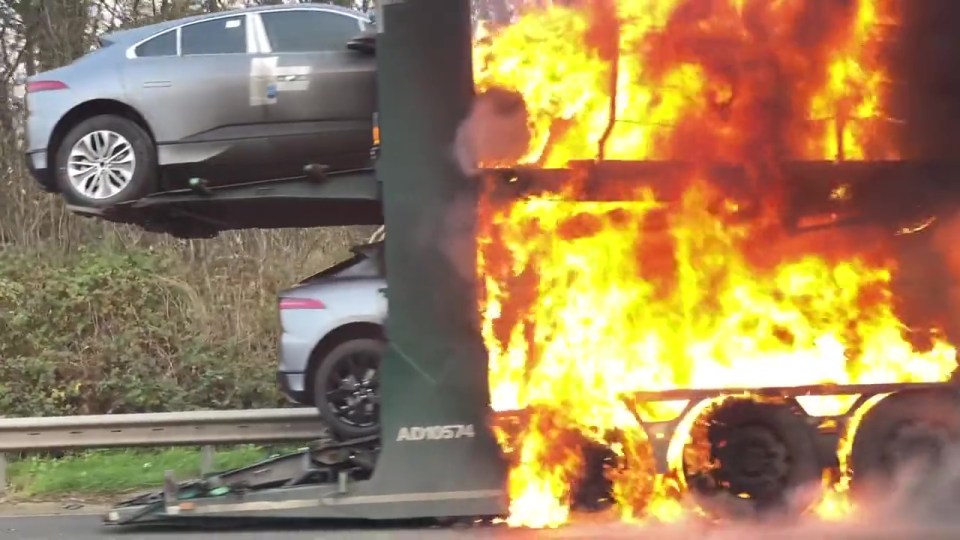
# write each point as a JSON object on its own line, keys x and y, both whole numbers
{"x": 157, "y": 84}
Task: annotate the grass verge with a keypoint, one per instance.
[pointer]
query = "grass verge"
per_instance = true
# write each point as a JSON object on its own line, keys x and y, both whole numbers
{"x": 107, "y": 472}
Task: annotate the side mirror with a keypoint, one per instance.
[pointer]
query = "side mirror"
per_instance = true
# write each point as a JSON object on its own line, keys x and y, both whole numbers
{"x": 365, "y": 43}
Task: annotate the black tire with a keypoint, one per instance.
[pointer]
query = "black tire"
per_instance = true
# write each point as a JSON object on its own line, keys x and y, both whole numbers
{"x": 900, "y": 424}
{"x": 592, "y": 490}
{"x": 784, "y": 484}
{"x": 143, "y": 181}
{"x": 332, "y": 376}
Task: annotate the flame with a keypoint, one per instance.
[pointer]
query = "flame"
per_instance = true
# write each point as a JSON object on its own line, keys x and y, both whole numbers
{"x": 586, "y": 301}
{"x": 539, "y": 489}
{"x": 692, "y": 75}
{"x": 853, "y": 95}
{"x": 835, "y": 505}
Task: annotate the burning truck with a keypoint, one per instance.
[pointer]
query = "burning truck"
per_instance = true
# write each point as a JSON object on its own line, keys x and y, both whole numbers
{"x": 712, "y": 265}
{"x": 707, "y": 239}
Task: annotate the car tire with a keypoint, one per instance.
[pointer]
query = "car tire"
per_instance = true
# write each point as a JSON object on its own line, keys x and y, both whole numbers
{"x": 122, "y": 162}
{"x": 346, "y": 388}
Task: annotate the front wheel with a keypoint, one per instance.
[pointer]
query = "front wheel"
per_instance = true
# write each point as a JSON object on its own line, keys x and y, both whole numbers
{"x": 105, "y": 160}
{"x": 346, "y": 388}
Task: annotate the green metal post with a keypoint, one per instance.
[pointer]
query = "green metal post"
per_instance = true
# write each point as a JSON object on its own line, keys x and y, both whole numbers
{"x": 436, "y": 447}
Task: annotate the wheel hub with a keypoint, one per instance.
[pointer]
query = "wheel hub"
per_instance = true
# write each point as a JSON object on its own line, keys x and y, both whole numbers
{"x": 101, "y": 164}
{"x": 362, "y": 392}
{"x": 915, "y": 442}
{"x": 753, "y": 460}
{"x": 353, "y": 390}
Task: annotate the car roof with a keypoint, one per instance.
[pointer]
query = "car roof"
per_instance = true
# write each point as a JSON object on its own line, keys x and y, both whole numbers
{"x": 141, "y": 32}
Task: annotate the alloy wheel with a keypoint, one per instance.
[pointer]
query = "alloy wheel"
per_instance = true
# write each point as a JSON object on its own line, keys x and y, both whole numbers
{"x": 101, "y": 164}
{"x": 353, "y": 389}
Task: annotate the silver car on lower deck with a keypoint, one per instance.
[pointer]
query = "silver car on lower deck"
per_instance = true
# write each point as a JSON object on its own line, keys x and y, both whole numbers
{"x": 333, "y": 339}
{"x": 234, "y": 96}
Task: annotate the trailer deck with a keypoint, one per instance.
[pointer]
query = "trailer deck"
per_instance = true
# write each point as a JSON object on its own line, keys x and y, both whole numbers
{"x": 315, "y": 199}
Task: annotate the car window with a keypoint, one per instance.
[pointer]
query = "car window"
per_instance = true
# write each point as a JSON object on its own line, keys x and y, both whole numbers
{"x": 309, "y": 31}
{"x": 219, "y": 36}
{"x": 163, "y": 45}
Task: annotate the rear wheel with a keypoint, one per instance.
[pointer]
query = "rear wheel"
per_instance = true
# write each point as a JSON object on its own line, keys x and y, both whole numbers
{"x": 902, "y": 450}
{"x": 105, "y": 160}
{"x": 346, "y": 388}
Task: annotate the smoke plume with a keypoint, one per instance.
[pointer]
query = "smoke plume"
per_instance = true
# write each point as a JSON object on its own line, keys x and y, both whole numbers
{"x": 495, "y": 133}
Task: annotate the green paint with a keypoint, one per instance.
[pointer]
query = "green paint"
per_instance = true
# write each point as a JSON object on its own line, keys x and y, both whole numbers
{"x": 435, "y": 372}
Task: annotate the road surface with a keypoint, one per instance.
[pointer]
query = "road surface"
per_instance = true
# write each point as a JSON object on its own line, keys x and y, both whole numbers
{"x": 86, "y": 527}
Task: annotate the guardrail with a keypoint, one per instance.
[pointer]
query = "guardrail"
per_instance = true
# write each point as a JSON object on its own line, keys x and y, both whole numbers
{"x": 191, "y": 428}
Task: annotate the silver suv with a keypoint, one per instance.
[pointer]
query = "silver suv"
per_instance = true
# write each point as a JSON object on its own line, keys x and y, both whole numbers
{"x": 231, "y": 97}
{"x": 333, "y": 340}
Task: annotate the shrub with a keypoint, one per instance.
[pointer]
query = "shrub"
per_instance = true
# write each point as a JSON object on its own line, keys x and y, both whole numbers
{"x": 106, "y": 331}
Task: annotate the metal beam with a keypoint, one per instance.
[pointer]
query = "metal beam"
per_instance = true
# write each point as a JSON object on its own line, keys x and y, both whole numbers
{"x": 192, "y": 428}
{"x": 341, "y": 198}
{"x": 434, "y": 375}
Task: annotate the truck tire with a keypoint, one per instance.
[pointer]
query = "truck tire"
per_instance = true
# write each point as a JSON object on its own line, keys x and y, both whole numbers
{"x": 912, "y": 424}
{"x": 105, "y": 160}
{"x": 346, "y": 388}
{"x": 765, "y": 450}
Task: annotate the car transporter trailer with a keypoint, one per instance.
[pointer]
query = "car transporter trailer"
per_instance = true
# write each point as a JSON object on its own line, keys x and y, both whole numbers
{"x": 436, "y": 456}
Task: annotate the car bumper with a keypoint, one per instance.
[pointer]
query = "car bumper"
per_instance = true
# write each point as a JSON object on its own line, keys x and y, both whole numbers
{"x": 292, "y": 386}
{"x": 37, "y": 165}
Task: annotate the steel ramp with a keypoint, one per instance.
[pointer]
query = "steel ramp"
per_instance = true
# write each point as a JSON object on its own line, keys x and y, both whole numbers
{"x": 313, "y": 200}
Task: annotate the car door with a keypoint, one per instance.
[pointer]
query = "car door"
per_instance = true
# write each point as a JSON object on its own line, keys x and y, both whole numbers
{"x": 197, "y": 101}
{"x": 323, "y": 94}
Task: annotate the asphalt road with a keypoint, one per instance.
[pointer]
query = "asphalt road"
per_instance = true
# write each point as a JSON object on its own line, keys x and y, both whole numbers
{"x": 84, "y": 527}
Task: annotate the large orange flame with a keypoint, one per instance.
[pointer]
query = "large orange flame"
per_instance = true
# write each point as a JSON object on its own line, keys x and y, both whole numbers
{"x": 585, "y": 301}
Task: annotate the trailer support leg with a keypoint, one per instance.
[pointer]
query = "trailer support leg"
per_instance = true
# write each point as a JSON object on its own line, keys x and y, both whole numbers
{"x": 435, "y": 443}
